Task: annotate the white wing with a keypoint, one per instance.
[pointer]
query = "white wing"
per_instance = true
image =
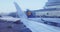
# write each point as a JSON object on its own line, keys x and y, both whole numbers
{"x": 34, "y": 26}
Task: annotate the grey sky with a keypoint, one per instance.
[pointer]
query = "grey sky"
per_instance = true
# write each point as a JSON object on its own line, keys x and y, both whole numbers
{"x": 8, "y": 5}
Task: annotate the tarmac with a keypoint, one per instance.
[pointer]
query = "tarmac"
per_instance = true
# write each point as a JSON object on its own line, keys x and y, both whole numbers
{"x": 10, "y": 26}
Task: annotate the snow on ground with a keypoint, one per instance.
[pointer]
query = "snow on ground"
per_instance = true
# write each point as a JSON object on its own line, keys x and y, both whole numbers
{"x": 57, "y": 20}
{"x": 9, "y": 18}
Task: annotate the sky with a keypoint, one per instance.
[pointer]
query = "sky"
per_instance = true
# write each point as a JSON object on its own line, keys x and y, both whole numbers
{"x": 7, "y": 6}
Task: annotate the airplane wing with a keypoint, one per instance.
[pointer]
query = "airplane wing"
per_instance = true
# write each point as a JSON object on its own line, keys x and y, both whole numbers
{"x": 32, "y": 25}
{"x": 39, "y": 27}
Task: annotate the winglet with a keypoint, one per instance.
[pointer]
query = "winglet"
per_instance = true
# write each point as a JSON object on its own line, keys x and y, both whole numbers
{"x": 20, "y": 13}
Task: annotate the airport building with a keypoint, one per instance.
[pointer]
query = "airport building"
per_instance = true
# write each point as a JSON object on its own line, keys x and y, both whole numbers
{"x": 51, "y": 9}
